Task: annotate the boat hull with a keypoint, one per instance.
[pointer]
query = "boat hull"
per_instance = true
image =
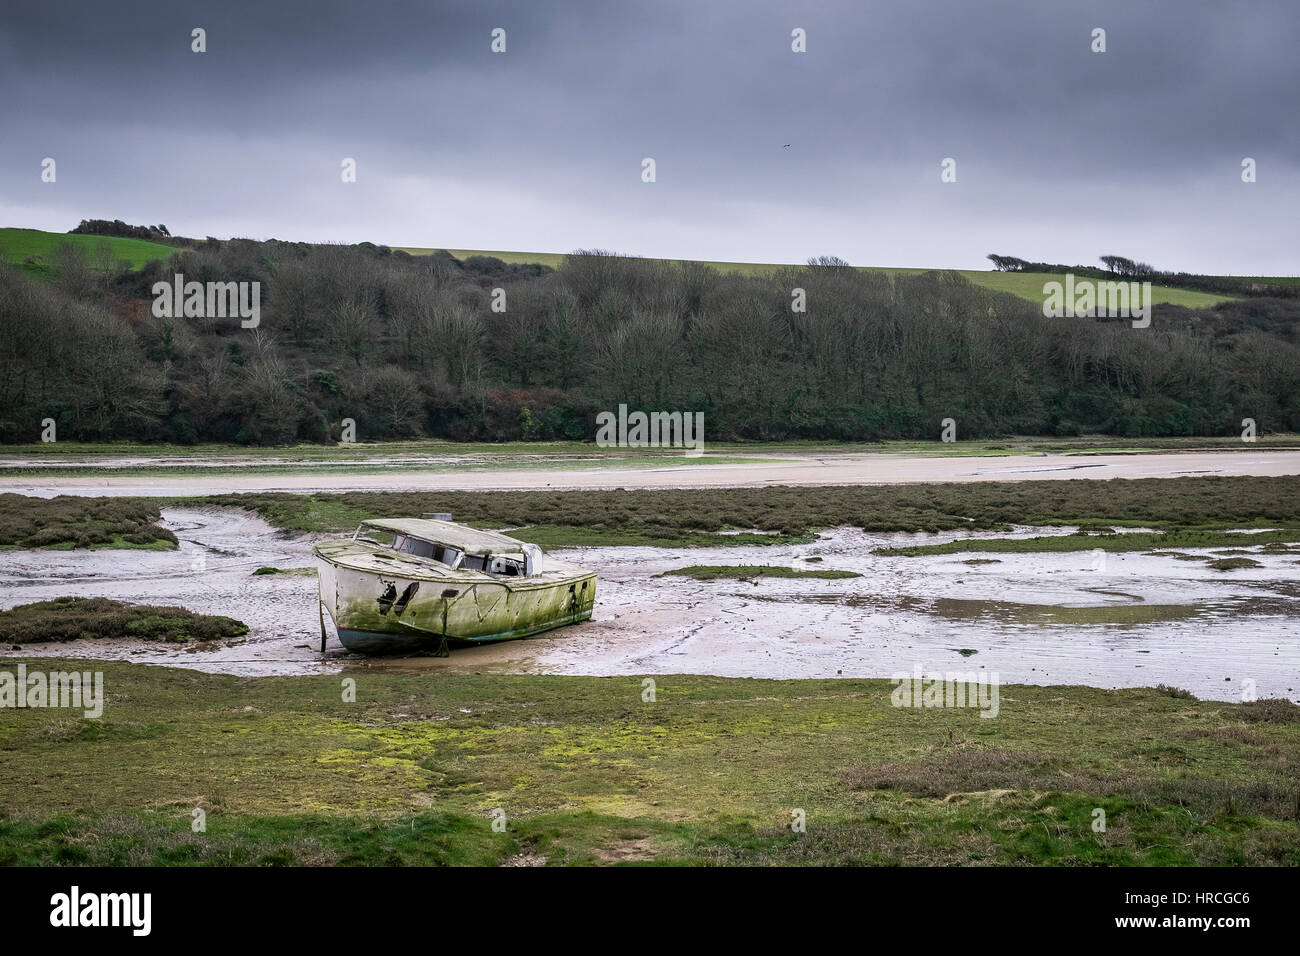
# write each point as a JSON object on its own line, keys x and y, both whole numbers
{"x": 393, "y": 613}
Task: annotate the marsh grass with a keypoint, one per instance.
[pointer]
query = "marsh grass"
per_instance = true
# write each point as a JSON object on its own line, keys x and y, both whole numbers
{"x": 744, "y": 572}
{"x": 1232, "y": 564}
{"x": 588, "y": 773}
{"x": 72, "y": 521}
{"x": 1188, "y": 511}
{"x": 1141, "y": 541}
{"x": 71, "y": 618}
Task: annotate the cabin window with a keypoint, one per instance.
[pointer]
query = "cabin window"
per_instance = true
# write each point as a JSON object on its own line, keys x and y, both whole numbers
{"x": 374, "y": 535}
{"x": 474, "y": 562}
{"x": 506, "y": 567}
{"x": 425, "y": 549}
{"x": 421, "y": 549}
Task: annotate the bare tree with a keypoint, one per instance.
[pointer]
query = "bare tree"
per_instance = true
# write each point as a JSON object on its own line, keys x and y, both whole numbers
{"x": 829, "y": 262}
{"x": 353, "y": 326}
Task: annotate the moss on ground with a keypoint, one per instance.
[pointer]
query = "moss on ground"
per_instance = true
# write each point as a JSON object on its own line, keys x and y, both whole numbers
{"x": 587, "y": 772}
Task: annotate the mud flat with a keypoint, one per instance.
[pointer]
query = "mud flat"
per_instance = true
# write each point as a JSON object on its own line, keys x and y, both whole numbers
{"x": 803, "y": 469}
{"x": 1031, "y": 618}
{"x": 1040, "y": 618}
{"x": 211, "y": 573}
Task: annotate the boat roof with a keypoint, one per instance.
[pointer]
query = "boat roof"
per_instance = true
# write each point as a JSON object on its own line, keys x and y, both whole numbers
{"x": 377, "y": 560}
{"x": 469, "y": 540}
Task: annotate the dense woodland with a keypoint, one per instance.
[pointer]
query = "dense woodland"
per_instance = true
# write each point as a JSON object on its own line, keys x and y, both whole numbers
{"x": 410, "y": 346}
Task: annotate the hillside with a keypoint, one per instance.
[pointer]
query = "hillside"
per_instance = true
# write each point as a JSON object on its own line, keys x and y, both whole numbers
{"x": 1026, "y": 285}
{"x": 478, "y": 349}
{"x": 17, "y": 245}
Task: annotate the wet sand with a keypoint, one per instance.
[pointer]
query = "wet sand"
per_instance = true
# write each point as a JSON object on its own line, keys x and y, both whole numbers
{"x": 812, "y": 469}
{"x": 1140, "y": 620}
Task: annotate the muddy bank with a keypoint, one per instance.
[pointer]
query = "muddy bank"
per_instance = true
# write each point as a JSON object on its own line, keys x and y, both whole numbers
{"x": 1134, "y": 620}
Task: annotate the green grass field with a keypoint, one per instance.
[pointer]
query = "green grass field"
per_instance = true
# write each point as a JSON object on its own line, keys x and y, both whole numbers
{"x": 1027, "y": 285}
{"x": 584, "y": 771}
{"x": 48, "y": 458}
{"x": 16, "y": 245}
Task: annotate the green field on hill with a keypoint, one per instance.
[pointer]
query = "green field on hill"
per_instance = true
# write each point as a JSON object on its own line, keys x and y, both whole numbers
{"x": 1027, "y": 285}
{"x": 17, "y": 245}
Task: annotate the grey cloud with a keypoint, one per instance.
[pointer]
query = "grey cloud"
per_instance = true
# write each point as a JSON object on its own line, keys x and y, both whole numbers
{"x": 1060, "y": 151}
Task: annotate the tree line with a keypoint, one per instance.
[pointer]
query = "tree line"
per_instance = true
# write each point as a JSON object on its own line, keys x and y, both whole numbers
{"x": 1125, "y": 268}
{"x": 408, "y": 346}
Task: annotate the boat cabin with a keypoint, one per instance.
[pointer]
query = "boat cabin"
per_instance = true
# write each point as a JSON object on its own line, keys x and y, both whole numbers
{"x": 453, "y": 546}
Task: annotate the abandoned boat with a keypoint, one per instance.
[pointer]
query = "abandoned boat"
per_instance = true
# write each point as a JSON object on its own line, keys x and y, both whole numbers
{"x": 409, "y": 584}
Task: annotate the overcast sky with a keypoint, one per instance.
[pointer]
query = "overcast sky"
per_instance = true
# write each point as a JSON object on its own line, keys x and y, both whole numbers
{"x": 1062, "y": 154}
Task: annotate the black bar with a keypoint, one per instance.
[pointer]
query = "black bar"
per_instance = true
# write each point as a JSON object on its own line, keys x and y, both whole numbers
{"x": 333, "y": 905}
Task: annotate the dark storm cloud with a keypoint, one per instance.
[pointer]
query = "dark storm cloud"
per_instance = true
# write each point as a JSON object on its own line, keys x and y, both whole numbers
{"x": 1061, "y": 153}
